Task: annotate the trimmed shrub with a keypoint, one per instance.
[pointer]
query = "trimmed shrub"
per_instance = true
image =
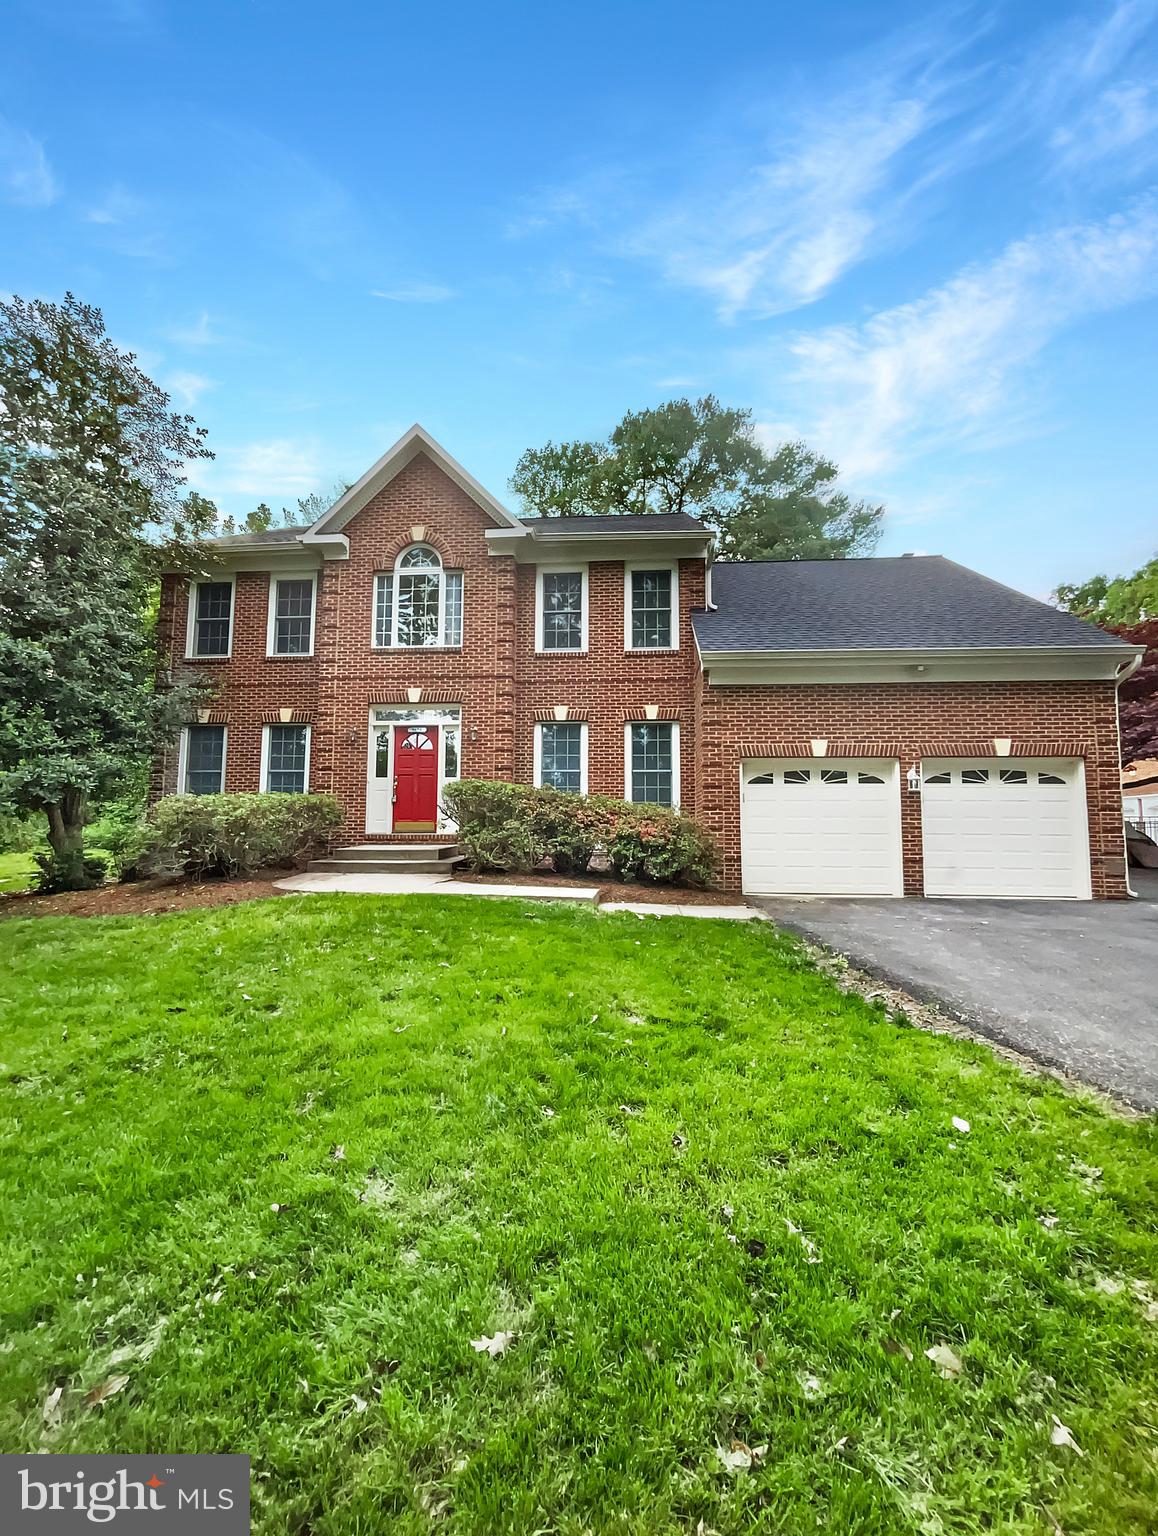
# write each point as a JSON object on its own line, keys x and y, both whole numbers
{"x": 513, "y": 828}
{"x": 568, "y": 827}
{"x": 659, "y": 848}
{"x": 495, "y": 826}
{"x": 206, "y": 835}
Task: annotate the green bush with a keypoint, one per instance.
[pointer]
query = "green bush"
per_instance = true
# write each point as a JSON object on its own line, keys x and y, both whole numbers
{"x": 84, "y": 872}
{"x": 656, "y": 847}
{"x": 494, "y": 825}
{"x": 21, "y": 831}
{"x": 513, "y": 828}
{"x": 203, "y": 835}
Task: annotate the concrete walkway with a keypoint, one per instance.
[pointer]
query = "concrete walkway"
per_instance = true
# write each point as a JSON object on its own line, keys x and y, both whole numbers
{"x": 372, "y": 884}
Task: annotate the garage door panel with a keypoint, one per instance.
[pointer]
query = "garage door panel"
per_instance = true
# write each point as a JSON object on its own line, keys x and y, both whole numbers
{"x": 828, "y": 827}
{"x": 1004, "y": 831}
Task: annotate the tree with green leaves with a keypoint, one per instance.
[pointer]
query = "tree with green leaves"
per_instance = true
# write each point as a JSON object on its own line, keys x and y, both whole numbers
{"x": 706, "y": 459}
{"x": 263, "y": 517}
{"x": 92, "y": 510}
{"x": 1114, "y": 600}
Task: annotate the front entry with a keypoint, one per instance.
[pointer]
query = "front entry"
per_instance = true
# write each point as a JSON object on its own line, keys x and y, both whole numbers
{"x": 415, "y": 789}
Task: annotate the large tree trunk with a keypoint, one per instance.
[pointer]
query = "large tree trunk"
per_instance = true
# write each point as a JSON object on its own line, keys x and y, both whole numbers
{"x": 66, "y": 837}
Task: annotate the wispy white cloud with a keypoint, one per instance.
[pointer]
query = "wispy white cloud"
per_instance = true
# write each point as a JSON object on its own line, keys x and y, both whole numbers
{"x": 117, "y": 206}
{"x": 26, "y": 177}
{"x": 1121, "y": 123}
{"x": 416, "y": 293}
{"x": 271, "y": 469}
{"x": 187, "y": 388}
{"x": 198, "y": 333}
{"x": 781, "y": 235}
{"x": 949, "y": 366}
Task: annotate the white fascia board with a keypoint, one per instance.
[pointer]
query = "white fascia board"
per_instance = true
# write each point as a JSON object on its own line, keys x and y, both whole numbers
{"x": 417, "y": 440}
{"x": 934, "y": 665}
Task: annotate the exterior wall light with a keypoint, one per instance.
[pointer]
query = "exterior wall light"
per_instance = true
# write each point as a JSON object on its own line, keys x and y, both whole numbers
{"x": 913, "y": 777}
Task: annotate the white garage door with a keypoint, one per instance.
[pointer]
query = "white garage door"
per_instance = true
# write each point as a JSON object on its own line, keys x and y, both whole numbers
{"x": 821, "y": 827}
{"x": 1012, "y": 827}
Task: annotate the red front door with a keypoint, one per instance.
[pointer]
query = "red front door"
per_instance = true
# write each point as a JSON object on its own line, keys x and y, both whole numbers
{"x": 415, "y": 778}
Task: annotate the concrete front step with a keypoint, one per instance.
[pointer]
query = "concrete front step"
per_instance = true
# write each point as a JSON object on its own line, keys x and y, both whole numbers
{"x": 384, "y": 864}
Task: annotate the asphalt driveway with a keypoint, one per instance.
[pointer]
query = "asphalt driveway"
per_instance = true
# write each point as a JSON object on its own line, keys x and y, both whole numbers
{"x": 1072, "y": 984}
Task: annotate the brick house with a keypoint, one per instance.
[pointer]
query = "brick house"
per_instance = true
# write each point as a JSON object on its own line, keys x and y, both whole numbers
{"x": 881, "y": 726}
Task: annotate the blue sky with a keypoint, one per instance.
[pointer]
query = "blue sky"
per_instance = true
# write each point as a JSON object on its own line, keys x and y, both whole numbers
{"x": 923, "y": 238}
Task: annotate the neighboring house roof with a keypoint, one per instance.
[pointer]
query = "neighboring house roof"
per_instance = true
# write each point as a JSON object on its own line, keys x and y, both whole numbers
{"x": 1140, "y": 775}
{"x": 907, "y": 602}
{"x": 265, "y": 536}
{"x": 417, "y": 440}
{"x": 614, "y": 522}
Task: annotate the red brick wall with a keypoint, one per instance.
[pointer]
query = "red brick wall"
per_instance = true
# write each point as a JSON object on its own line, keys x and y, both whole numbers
{"x": 607, "y": 685}
{"x": 911, "y": 721}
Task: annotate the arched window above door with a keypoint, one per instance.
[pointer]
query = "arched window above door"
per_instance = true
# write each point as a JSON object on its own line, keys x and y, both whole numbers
{"x": 418, "y": 603}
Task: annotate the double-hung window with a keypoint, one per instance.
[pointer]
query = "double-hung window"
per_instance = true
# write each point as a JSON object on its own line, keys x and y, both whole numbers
{"x": 286, "y": 760}
{"x": 418, "y": 604}
{"x": 653, "y": 763}
{"x": 561, "y": 616}
{"x": 211, "y": 618}
{"x": 204, "y": 760}
{"x": 651, "y": 599}
{"x": 291, "y": 616}
{"x": 561, "y": 755}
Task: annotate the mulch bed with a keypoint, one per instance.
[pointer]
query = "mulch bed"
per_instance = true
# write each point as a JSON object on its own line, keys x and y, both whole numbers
{"x": 143, "y": 897}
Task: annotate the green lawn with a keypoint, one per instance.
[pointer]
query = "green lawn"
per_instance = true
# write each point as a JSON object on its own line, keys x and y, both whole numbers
{"x": 279, "y": 1164}
{"x": 16, "y": 872}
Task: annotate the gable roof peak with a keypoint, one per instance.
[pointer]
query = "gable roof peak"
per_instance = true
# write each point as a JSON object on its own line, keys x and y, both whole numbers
{"x": 414, "y": 440}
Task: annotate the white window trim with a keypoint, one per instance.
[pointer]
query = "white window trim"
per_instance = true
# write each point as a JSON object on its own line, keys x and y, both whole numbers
{"x": 271, "y": 617}
{"x": 652, "y": 565}
{"x": 537, "y": 778}
{"x": 191, "y": 617}
{"x": 559, "y": 570}
{"x": 183, "y": 758}
{"x": 392, "y": 576}
{"x": 266, "y": 731}
{"x": 675, "y": 754}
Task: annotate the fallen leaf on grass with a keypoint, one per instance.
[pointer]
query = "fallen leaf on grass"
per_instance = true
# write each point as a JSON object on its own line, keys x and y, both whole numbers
{"x": 359, "y": 1404}
{"x": 496, "y": 1345}
{"x": 104, "y": 1390}
{"x": 678, "y": 1142}
{"x": 960, "y": 1125}
{"x": 810, "y": 1254}
{"x": 548, "y": 1112}
{"x": 50, "y": 1413}
{"x": 948, "y": 1364}
{"x": 740, "y": 1457}
{"x": 338, "y": 1152}
{"x": 1060, "y": 1435}
{"x": 895, "y": 1347}
{"x": 755, "y": 1248}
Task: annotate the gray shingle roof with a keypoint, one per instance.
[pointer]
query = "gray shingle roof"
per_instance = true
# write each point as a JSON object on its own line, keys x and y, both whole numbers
{"x": 268, "y": 536}
{"x": 910, "y": 602}
{"x": 613, "y": 522}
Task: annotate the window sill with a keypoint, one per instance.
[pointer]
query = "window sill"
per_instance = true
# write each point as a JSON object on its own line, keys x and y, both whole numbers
{"x": 561, "y": 650}
{"x": 228, "y": 657}
{"x": 650, "y": 650}
{"x": 289, "y": 655}
{"x": 410, "y": 650}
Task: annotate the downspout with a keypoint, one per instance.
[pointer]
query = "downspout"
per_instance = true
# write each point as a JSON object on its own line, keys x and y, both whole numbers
{"x": 1127, "y": 670}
